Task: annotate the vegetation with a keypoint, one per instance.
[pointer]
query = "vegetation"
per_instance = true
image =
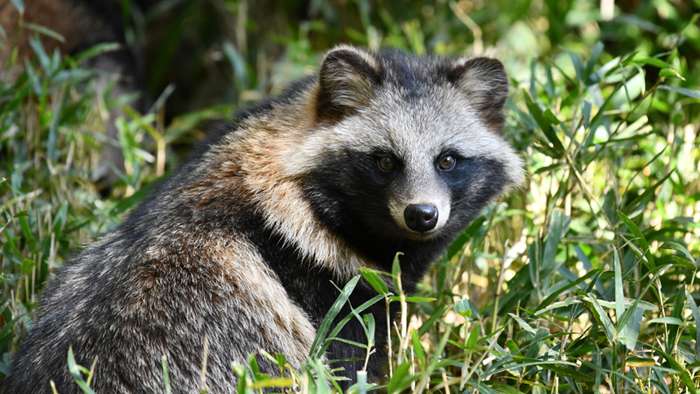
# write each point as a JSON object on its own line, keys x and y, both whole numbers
{"x": 583, "y": 280}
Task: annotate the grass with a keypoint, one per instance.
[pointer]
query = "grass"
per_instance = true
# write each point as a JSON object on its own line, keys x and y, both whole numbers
{"x": 584, "y": 280}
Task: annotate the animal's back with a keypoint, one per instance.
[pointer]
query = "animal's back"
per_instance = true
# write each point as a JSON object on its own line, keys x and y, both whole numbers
{"x": 162, "y": 285}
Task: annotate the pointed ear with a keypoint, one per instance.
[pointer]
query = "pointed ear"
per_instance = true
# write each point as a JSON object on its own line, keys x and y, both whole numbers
{"x": 348, "y": 78}
{"x": 485, "y": 83}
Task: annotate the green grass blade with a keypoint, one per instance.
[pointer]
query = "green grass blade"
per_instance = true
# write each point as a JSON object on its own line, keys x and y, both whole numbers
{"x": 330, "y": 316}
{"x": 75, "y": 371}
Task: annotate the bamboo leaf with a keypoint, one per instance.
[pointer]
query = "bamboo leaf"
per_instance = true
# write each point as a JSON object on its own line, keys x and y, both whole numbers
{"x": 544, "y": 124}
{"x": 684, "y": 91}
{"x": 603, "y": 319}
{"x": 330, "y": 316}
{"x": 646, "y": 254}
{"x": 669, "y": 72}
{"x": 636, "y": 361}
{"x": 684, "y": 374}
{"x": 473, "y": 336}
{"x": 619, "y": 290}
{"x": 676, "y": 246}
{"x": 631, "y": 326}
{"x": 75, "y": 371}
{"x": 696, "y": 318}
{"x": 666, "y": 320}
{"x": 374, "y": 280}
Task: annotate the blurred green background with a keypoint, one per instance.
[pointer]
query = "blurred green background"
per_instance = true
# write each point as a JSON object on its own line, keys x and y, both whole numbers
{"x": 219, "y": 51}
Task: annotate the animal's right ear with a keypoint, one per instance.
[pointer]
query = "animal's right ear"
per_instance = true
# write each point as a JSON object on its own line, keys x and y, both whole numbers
{"x": 347, "y": 80}
{"x": 485, "y": 83}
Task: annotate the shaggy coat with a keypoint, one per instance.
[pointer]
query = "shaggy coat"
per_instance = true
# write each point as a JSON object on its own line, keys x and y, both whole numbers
{"x": 244, "y": 245}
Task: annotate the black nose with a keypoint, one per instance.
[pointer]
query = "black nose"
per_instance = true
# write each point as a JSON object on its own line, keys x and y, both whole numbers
{"x": 421, "y": 217}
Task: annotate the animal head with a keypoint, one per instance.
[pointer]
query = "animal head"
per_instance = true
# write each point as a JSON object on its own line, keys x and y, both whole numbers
{"x": 407, "y": 147}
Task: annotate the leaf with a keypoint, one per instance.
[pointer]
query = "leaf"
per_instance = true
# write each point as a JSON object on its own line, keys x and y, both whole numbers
{"x": 544, "y": 124}
{"x": 534, "y": 253}
{"x": 537, "y": 342}
{"x": 636, "y": 361}
{"x": 19, "y": 5}
{"x": 75, "y": 371}
{"x": 592, "y": 60}
{"x": 60, "y": 218}
{"x": 633, "y": 313}
{"x": 401, "y": 378}
{"x": 696, "y": 318}
{"x": 669, "y": 72}
{"x": 526, "y": 362}
{"x": 550, "y": 298}
{"x": 465, "y": 236}
{"x": 28, "y": 234}
{"x": 630, "y": 330}
{"x": 632, "y": 88}
{"x": 166, "y": 376}
{"x": 586, "y": 112}
{"x": 550, "y": 117}
{"x": 646, "y": 253}
{"x": 667, "y": 320}
{"x": 417, "y": 346}
{"x": 523, "y": 324}
{"x": 96, "y": 50}
{"x": 473, "y": 336}
{"x": 578, "y": 66}
{"x": 685, "y": 375}
{"x": 354, "y": 314}
{"x": 273, "y": 382}
{"x": 560, "y": 304}
{"x": 558, "y": 226}
{"x": 370, "y": 328}
{"x": 602, "y": 318}
{"x": 632, "y": 205}
{"x": 253, "y": 364}
{"x": 45, "y": 31}
{"x": 680, "y": 248}
{"x": 374, "y": 280}
{"x": 40, "y": 53}
{"x": 644, "y": 305}
{"x": 428, "y": 324}
{"x": 240, "y": 69}
{"x": 619, "y": 293}
{"x": 684, "y": 91}
{"x": 396, "y": 271}
{"x": 500, "y": 388}
{"x": 412, "y": 299}
{"x": 51, "y": 151}
{"x": 330, "y": 316}
{"x": 463, "y": 307}
{"x": 564, "y": 371}
{"x": 437, "y": 356}
{"x": 653, "y": 61}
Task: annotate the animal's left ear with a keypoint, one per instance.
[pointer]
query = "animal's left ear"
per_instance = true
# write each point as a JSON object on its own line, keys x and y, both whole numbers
{"x": 347, "y": 81}
{"x": 485, "y": 83}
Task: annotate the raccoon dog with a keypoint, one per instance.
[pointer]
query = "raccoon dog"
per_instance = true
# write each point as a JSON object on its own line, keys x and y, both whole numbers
{"x": 375, "y": 154}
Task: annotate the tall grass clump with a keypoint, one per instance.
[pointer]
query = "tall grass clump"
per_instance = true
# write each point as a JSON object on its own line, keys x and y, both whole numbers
{"x": 582, "y": 280}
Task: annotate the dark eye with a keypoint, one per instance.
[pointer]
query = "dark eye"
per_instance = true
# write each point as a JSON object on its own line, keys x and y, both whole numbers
{"x": 386, "y": 163}
{"x": 447, "y": 162}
